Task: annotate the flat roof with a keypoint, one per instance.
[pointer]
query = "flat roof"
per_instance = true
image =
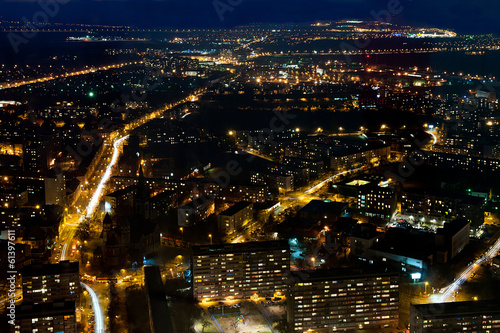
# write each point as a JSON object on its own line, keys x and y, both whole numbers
{"x": 341, "y": 273}
{"x": 320, "y": 206}
{"x": 451, "y": 228}
{"x": 63, "y": 267}
{"x": 157, "y": 300}
{"x": 30, "y": 310}
{"x": 460, "y": 309}
{"x": 240, "y": 247}
{"x": 446, "y": 194}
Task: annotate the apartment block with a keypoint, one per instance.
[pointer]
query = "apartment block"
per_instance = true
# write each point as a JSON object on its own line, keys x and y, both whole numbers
{"x": 239, "y": 271}
{"x": 343, "y": 300}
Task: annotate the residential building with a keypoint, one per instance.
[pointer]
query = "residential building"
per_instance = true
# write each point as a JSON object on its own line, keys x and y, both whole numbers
{"x": 235, "y": 217}
{"x": 45, "y": 318}
{"x": 241, "y": 270}
{"x": 343, "y": 299}
{"x": 51, "y": 282}
{"x": 195, "y": 211}
{"x": 471, "y": 316}
{"x": 437, "y": 207}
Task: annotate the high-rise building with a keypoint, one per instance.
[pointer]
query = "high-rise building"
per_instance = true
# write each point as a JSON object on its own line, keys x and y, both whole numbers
{"x": 55, "y": 190}
{"x": 472, "y": 316}
{"x": 377, "y": 201}
{"x": 45, "y": 318}
{"x": 51, "y": 282}
{"x": 242, "y": 270}
{"x": 343, "y": 300}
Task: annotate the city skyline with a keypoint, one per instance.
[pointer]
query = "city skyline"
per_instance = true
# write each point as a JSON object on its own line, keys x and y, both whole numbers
{"x": 466, "y": 17}
{"x": 195, "y": 171}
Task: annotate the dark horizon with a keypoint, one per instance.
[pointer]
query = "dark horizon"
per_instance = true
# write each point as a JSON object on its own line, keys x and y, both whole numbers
{"x": 463, "y": 16}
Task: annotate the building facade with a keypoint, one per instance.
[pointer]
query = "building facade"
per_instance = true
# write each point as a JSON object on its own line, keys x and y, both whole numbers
{"x": 51, "y": 282}
{"x": 45, "y": 318}
{"x": 239, "y": 271}
{"x": 342, "y": 300}
{"x": 472, "y": 316}
{"x": 234, "y": 217}
{"x": 440, "y": 207}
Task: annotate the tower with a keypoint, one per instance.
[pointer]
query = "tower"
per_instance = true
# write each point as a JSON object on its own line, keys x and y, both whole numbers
{"x": 141, "y": 197}
{"x": 107, "y": 225}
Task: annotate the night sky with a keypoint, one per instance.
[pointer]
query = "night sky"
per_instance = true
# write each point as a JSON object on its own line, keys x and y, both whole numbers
{"x": 464, "y": 16}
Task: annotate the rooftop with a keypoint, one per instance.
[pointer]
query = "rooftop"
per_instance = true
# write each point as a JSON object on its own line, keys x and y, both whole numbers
{"x": 30, "y": 310}
{"x": 63, "y": 267}
{"x": 157, "y": 300}
{"x": 236, "y": 208}
{"x": 341, "y": 273}
{"x": 240, "y": 247}
{"x": 461, "y": 309}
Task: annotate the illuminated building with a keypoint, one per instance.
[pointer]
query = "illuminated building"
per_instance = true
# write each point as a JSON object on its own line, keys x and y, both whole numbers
{"x": 55, "y": 190}
{"x": 273, "y": 180}
{"x": 340, "y": 161}
{"x": 462, "y": 162}
{"x": 438, "y": 207}
{"x": 51, "y": 282}
{"x": 472, "y": 316}
{"x": 343, "y": 299}
{"x": 233, "y": 218}
{"x": 45, "y": 318}
{"x": 376, "y": 201}
{"x": 195, "y": 211}
{"x": 13, "y": 198}
{"x": 495, "y": 267}
{"x": 239, "y": 271}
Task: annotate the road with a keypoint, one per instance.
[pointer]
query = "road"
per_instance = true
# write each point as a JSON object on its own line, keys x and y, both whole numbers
{"x": 316, "y": 187}
{"x": 294, "y": 198}
{"x": 93, "y": 189}
{"x": 8, "y": 85}
{"x": 94, "y": 201}
{"x": 99, "y": 318}
{"x": 446, "y": 294}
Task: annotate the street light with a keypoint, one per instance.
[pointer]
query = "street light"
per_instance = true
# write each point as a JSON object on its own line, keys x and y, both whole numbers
{"x": 210, "y": 236}
{"x": 182, "y": 232}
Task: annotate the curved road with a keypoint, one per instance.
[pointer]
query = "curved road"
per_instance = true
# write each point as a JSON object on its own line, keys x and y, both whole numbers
{"x": 99, "y": 319}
